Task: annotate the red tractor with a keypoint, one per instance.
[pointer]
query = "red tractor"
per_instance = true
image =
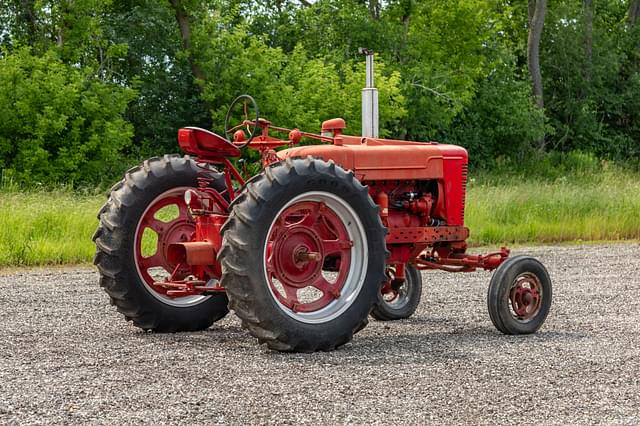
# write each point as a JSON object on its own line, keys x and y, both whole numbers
{"x": 307, "y": 248}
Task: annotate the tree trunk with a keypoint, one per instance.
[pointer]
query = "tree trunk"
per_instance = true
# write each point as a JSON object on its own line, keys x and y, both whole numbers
{"x": 634, "y": 11}
{"x": 405, "y": 19}
{"x": 27, "y": 16}
{"x": 537, "y": 10}
{"x": 536, "y": 23}
{"x": 588, "y": 38}
{"x": 182, "y": 18}
{"x": 531, "y": 10}
{"x": 374, "y": 9}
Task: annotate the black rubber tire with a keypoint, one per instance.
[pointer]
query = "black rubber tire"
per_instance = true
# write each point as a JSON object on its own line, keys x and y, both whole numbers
{"x": 498, "y": 300}
{"x": 242, "y": 259}
{"x": 115, "y": 239}
{"x": 385, "y": 311}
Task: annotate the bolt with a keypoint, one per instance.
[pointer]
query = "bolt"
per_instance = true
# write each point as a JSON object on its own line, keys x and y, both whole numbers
{"x": 346, "y": 244}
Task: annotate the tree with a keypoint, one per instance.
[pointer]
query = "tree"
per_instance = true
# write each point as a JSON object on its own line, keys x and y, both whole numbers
{"x": 588, "y": 37}
{"x": 634, "y": 11}
{"x": 157, "y": 66}
{"x": 183, "y": 20}
{"x": 464, "y": 71}
{"x": 536, "y": 12}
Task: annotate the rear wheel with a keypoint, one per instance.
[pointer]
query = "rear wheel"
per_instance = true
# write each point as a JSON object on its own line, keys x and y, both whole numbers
{"x": 399, "y": 302}
{"x": 292, "y": 221}
{"x": 144, "y": 214}
{"x": 519, "y": 296}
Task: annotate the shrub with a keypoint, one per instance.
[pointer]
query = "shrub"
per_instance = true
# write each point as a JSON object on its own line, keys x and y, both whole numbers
{"x": 59, "y": 123}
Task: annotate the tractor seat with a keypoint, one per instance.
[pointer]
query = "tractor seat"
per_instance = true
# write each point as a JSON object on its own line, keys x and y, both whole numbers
{"x": 203, "y": 143}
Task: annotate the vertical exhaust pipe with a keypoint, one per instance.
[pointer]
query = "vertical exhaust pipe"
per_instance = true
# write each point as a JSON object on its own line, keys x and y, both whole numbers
{"x": 369, "y": 99}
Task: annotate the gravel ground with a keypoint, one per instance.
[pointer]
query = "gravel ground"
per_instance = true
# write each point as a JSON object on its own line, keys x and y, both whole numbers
{"x": 66, "y": 356}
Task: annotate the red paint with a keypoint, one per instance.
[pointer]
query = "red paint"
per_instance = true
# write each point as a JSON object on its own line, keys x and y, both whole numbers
{"x": 374, "y": 160}
{"x": 334, "y": 126}
{"x": 206, "y": 144}
{"x": 181, "y": 228}
{"x": 299, "y": 243}
{"x": 461, "y": 262}
{"x": 419, "y": 187}
{"x": 382, "y": 199}
{"x": 192, "y": 253}
{"x": 525, "y": 297}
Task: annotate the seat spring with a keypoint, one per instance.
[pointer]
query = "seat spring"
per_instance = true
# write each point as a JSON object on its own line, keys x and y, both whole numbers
{"x": 204, "y": 176}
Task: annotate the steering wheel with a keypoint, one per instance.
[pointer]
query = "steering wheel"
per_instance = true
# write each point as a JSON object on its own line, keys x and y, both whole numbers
{"x": 241, "y": 113}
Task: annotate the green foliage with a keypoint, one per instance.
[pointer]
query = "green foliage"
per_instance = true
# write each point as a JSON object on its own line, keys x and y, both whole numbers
{"x": 296, "y": 90}
{"x": 593, "y": 102}
{"x": 452, "y": 71}
{"x": 58, "y": 124}
{"x": 492, "y": 130}
{"x": 553, "y": 167}
{"x": 443, "y": 62}
{"x": 156, "y": 65}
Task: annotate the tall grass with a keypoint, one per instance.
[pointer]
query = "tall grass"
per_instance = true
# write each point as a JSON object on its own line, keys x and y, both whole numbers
{"x": 580, "y": 200}
{"x": 46, "y": 227}
{"x": 604, "y": 208}
{"x": 553, "y": 198}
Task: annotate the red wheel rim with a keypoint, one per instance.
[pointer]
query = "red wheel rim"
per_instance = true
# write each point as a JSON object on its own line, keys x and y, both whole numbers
{"x": 309, "y": 237}
{"x": 178, "y": 228}
{"x": 525, "y": 297}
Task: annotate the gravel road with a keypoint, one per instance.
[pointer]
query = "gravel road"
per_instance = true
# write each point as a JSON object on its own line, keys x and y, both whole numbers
{"x": 66, "y": 356}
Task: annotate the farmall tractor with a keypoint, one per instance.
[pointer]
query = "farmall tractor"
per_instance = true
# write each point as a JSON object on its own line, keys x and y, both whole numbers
{"x": 305, "y": 250}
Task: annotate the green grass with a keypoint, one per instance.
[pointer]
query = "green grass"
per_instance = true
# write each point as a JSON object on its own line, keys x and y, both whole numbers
{"x": 55, "y": 227}
{"x": 47, "y": 227}
{"x": 589, "y": 207}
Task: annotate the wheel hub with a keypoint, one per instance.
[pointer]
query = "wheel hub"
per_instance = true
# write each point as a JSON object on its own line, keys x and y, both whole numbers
{"x": 291, "y": 254}
{"x": 389, "y": 294}
{"x": 525, "y": 296}
{"x": 180, "y": 230}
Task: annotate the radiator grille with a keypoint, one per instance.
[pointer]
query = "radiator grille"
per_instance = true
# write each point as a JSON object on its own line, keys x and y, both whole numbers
{"x": 464, "y": 171}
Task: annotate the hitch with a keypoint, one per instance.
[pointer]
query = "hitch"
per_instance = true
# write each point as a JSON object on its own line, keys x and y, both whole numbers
{"x": 198, "y": 256}
{"x": 187, "y": 287}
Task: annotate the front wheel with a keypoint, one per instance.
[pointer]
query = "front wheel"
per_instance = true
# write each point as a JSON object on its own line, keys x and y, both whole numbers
{"x": 399, "y": 302}
{"x": 519, "y": 296}
{"x": 303, "y": 256}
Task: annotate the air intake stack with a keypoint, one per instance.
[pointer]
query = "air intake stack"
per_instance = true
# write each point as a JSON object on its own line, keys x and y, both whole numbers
{"x": 369, "y": 99}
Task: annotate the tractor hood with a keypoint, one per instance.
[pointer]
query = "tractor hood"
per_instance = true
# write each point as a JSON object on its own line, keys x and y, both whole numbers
{"x": 384, "y": 159}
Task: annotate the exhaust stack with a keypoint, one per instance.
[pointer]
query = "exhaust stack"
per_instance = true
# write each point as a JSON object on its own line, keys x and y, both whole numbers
{"x": 369, "y": 99}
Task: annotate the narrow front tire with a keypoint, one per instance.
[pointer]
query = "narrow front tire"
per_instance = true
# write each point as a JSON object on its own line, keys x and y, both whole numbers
{"x": 519, "y": 295}
{"x": 401, "y": 302}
